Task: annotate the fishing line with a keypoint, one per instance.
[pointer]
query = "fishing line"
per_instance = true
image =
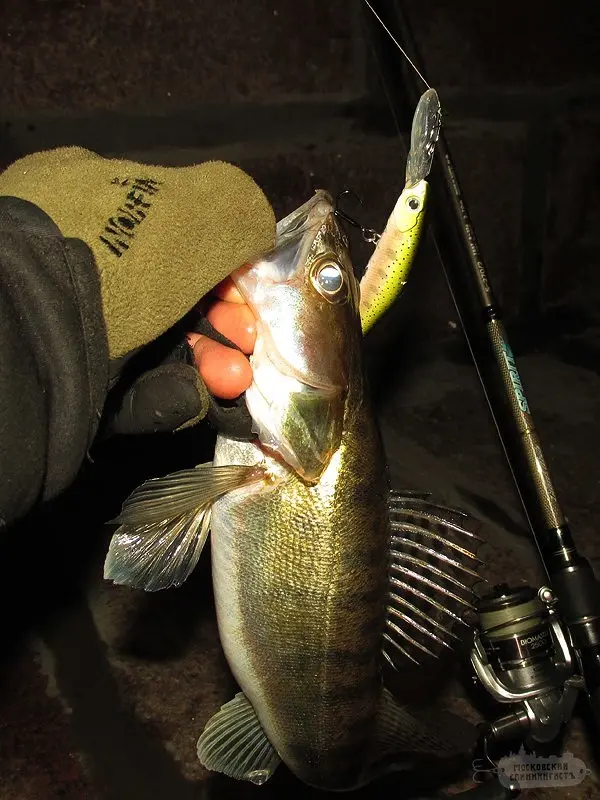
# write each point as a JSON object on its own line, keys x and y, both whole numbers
{"x": 397, "y": 43}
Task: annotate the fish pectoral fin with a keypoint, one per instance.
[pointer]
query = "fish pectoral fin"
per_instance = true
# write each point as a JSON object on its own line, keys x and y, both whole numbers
{"x": 399, "y": 733}
{"x": 234, "y": 743}
{"x": 159, "y": 555}
{"x": 183, "y": 492}
{"x": 164, "y": 525}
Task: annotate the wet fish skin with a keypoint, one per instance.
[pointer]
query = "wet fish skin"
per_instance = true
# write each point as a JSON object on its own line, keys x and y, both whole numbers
{"x": 300, "y": 579}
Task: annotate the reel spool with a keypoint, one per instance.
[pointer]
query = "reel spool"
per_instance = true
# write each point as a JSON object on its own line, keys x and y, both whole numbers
{"x": 522, "y": 655}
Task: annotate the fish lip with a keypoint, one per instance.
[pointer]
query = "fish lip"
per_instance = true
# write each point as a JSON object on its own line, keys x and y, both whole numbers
{"x": 289, "y": 227}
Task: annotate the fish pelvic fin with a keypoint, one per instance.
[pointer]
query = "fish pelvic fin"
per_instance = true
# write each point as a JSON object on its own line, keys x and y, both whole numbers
{"x": 164, "y": 524}
{"x": 234, "y": 743}
{"x": 433, "y": 572}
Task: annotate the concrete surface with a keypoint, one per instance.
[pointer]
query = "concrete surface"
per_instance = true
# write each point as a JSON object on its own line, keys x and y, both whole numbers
{"x": 104, "y": 54}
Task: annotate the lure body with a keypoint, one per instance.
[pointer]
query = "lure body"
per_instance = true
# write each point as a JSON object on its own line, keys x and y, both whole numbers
{"x": 388, "y": 268}
{"x": 390, "y": 264}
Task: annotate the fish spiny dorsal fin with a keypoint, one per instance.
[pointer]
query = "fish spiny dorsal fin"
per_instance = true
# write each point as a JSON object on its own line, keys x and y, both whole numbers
{"x": 433, "y": 572}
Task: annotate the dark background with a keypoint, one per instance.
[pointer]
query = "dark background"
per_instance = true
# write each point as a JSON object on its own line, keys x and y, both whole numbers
{"x": 103, "y": 692}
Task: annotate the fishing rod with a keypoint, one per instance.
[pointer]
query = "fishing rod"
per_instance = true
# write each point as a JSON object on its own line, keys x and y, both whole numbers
{"x": 566, "y": 612}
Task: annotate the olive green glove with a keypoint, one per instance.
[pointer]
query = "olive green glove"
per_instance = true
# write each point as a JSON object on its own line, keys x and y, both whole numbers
{"x": 161, "y": 238}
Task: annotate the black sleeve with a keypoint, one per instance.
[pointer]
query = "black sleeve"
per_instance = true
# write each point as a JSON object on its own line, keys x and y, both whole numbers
{"x": 53, "y": 357}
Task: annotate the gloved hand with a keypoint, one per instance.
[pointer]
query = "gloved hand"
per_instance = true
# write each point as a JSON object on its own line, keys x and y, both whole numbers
{"x": 161, "y": 238}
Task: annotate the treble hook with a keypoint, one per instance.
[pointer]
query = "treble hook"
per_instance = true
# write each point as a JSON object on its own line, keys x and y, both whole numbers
{"x": 368, "y": 234}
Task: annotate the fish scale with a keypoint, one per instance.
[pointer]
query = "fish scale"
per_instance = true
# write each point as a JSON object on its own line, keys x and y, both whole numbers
{"x": 323, "y": 625}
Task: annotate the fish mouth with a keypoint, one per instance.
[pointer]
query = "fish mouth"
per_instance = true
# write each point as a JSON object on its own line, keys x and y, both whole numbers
{"x": 300, "y": 361}
{"x": 275, "y": 290}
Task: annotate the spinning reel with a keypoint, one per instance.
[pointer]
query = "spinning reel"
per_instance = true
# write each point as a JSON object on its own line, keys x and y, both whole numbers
{"x": 522, "y": 655}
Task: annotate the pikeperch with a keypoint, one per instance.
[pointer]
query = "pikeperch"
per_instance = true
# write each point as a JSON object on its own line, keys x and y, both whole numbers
{"x": 315, "y": 583}
{"x": 387, "y": 271}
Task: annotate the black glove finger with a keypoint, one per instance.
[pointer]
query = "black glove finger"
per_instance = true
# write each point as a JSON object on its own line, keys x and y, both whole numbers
{"x": 164, "y": 399}
{"x": 131, "y": 407}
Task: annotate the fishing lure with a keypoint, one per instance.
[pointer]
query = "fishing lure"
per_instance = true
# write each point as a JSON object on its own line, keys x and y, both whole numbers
{"x": 388, "y": 268}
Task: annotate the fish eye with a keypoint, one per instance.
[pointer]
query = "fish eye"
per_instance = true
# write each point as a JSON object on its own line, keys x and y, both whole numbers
{"x": 413, "y": 203}
{"x": 329, "y": 280}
